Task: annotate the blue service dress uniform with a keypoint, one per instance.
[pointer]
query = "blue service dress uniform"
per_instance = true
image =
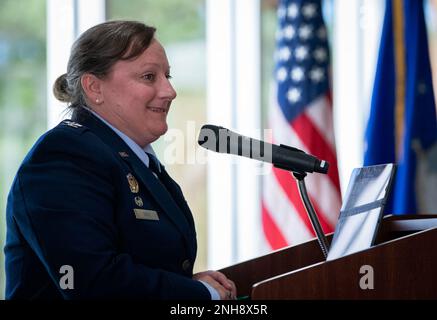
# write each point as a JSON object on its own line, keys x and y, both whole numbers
{"x": 83, "y": 199}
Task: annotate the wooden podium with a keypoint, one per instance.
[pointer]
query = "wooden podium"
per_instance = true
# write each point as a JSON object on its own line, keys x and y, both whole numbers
{"x": 404, "y": 263}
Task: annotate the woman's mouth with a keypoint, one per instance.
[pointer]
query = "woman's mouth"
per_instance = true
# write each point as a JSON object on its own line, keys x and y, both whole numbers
{"x": 158, "y": 110}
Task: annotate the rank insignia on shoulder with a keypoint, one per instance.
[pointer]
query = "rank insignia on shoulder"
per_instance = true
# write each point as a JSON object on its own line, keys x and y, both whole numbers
{"x": 123, "y": 154}
{"x": 133, "y": 183}
{"x": 72, "y": 124}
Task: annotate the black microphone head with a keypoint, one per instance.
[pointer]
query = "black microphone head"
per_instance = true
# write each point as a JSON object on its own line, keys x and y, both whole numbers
{"x": 209, "y": 137}
{"x": 223, "y": 140}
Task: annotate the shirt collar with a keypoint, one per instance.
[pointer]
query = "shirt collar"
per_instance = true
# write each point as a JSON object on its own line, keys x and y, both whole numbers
{"x": 140, "y": 152}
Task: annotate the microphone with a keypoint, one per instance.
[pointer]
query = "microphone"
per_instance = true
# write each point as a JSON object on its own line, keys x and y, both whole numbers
{"x": 223, "y": 140}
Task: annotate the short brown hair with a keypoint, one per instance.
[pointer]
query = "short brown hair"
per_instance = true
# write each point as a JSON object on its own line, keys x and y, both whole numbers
{"x": 96, "y": 51}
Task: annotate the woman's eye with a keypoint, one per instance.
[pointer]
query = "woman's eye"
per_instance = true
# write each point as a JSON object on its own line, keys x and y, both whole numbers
{"x": 168, "y": 76}
{"x": 149, "y": 77}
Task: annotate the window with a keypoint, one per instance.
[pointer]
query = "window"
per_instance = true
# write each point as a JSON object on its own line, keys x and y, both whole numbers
{"x": 22, "y": 92}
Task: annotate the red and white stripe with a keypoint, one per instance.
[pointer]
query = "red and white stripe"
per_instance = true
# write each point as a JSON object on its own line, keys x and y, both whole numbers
{"x": 284, "y": 218}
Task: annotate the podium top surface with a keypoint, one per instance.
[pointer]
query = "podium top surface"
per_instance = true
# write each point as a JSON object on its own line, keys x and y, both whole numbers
{"x": 412, "y": 222}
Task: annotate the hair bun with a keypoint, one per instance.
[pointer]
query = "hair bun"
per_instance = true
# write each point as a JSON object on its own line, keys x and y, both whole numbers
{"x": 60, "y": 89}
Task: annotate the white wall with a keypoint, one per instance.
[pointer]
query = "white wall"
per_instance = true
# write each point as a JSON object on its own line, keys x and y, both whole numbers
{"x": 356, "y": 34}
{"x": 233, "y": 98}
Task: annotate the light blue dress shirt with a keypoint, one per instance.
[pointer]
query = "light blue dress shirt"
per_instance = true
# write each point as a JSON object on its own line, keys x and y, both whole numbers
{"x": 141, "y": 153}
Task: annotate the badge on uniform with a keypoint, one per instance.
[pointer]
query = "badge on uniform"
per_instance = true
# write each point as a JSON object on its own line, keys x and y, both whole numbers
{"x": 123, "y": 154}
{"x": 143, "y": 214}
{"x": 133, "y": 183}
{"x": 138, "y": 201}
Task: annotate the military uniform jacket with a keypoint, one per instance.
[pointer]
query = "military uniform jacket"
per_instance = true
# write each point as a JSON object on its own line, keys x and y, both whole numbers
{"x": 82, "y": 201}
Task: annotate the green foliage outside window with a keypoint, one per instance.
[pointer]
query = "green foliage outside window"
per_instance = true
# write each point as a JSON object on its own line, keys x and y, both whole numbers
{"x": 22, "y": 92}
{"x": 177, "y": 20}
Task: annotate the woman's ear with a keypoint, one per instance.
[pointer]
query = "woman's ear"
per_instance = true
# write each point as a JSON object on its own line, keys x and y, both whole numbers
{"x": 91, "y": 85}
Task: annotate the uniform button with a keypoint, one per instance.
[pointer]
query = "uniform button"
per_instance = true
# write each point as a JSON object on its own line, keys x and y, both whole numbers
{"x": 186, "y": 265}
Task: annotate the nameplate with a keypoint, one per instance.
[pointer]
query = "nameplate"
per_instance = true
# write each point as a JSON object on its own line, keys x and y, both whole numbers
{"x": 143, "y": 214}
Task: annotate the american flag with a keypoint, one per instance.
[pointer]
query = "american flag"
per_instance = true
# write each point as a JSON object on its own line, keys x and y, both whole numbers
{"x": 300, "y": 115}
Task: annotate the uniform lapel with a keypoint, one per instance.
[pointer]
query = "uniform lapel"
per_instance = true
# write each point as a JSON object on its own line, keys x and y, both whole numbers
{"x": 178, "y": 196}
{"x": 145, "y": 175}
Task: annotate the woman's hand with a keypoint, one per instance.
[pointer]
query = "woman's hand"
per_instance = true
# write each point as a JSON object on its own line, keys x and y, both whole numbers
{"x": 224, "y": 286}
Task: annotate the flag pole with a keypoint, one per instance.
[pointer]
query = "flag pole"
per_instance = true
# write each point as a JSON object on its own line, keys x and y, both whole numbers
{"x": 323, "y": 241}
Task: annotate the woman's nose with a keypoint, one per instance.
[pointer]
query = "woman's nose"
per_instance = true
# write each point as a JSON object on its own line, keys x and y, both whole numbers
{"x": 167, "y": 90}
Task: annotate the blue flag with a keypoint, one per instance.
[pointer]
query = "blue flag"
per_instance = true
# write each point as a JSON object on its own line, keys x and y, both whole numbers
{"x": 402, "y": 123}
